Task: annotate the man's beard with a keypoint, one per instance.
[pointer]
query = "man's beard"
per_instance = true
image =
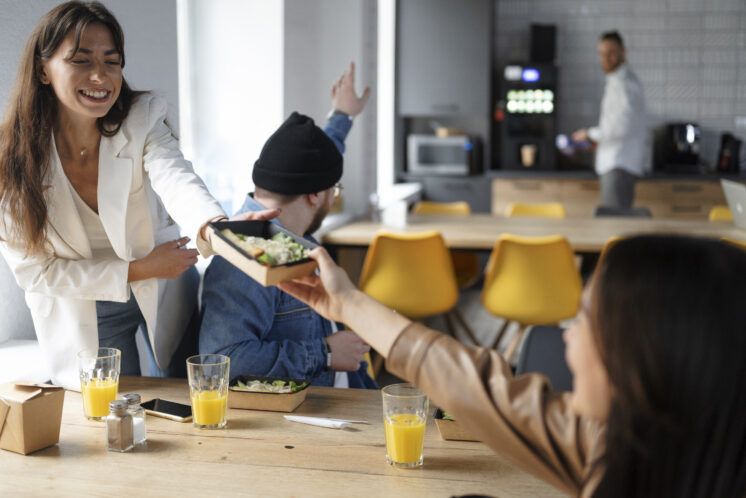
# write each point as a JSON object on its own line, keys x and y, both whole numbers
{"x": 317, "y": 219}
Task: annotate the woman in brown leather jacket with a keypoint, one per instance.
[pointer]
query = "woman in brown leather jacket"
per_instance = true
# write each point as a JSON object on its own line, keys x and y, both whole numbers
{"x": 658, "y": 354}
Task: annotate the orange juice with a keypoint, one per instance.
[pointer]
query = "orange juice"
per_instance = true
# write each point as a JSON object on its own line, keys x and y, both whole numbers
{"x": 97, "y": 394}
{"x": 208, "y": 407}
{"x": 405, "y": 434}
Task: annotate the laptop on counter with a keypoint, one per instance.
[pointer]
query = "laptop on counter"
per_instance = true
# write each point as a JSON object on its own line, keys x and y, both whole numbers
{"x": 735, "y": 194}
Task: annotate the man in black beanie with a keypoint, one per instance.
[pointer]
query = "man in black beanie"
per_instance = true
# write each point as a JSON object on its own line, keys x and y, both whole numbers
{"x": 263, "y": 330}
{"x": 298, "y": 159}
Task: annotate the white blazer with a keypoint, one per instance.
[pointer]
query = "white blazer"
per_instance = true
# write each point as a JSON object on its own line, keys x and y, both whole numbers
{"x": 139, "y": 167}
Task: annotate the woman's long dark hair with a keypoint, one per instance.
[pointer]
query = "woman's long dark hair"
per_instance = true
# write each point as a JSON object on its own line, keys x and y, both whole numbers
{"x": 670, "y": 322}
{"x": 26, "y": 130}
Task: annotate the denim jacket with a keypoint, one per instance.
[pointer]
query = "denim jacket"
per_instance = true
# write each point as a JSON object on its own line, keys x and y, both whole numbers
{"x": 263, "y": 330}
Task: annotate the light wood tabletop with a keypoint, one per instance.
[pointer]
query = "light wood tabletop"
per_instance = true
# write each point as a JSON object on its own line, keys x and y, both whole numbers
{"x": 481, "y": 231}
{"x": 258, "y": 454}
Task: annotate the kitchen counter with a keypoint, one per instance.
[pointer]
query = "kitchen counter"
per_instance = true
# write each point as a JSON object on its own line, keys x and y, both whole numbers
{"x": 666, "y": 195}
{"x": 591, "y": 175}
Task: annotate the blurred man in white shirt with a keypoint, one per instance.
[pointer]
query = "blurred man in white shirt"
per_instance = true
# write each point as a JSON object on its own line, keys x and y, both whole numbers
{"x": 621, "y": 135}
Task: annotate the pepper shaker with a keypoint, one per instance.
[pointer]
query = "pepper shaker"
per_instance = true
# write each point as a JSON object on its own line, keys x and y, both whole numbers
{"x": 119, "y": 427}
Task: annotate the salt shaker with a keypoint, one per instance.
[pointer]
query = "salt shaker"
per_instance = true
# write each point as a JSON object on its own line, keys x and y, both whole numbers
{"x": 119, "y": 427}
{"x": 138, "y": 418}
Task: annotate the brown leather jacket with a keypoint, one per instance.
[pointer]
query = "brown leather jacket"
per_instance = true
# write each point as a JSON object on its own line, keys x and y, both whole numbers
{"x": 518, "y": 417}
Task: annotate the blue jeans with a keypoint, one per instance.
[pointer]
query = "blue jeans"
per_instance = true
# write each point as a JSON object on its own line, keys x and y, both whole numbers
{"x": 118, "y": 324}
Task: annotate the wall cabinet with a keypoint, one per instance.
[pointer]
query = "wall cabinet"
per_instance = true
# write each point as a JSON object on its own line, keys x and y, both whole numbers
{"x": 686, "y": 198}
{"x": 443, "y": 57}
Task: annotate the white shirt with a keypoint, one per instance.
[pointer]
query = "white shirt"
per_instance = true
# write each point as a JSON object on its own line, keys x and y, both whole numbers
{"x": 100, "y": 243}
{"x": 621, "y": 133}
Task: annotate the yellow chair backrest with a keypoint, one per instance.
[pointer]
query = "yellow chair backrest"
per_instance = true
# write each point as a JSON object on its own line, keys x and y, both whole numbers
{"x": 736, "y": 242}
{"x": 465, "y": 264}
{"x": 371, "y": 372}
{"x": 430, "y": 207}
{"x": 720, "y": 213}
{"x": 543, "y": 210}
{"x": 411, "y": 273}
{"x": 532, "y": 280}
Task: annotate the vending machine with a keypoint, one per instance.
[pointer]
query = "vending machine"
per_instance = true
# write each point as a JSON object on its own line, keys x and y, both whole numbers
{"x": 525, "y": 111}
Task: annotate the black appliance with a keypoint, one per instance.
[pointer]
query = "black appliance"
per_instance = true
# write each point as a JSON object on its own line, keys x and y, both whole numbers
{"x": 728, "y": 158}
{"x": 526, "y": 111}
{"x": 543, "y": 43}
{"x": 677, "y": 147}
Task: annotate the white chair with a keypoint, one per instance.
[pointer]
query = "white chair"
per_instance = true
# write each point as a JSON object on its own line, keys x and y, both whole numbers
{"x": 20, "y": 355}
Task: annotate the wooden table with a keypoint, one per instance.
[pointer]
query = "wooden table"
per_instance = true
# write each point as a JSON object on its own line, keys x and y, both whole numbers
{"x": 481, "y": 231}
{"x": 258, "y": 454}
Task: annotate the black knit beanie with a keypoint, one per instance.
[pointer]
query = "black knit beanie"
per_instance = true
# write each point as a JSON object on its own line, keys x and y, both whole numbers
{"x": 299, "y": 158}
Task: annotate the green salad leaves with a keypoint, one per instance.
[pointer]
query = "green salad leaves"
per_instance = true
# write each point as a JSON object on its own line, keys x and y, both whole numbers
{"x": 275, "y": 386}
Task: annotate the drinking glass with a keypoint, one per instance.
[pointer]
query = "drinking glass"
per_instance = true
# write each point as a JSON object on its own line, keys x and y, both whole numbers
{"x": 99, "y": 380}
{"x": 208, "y": 389}
{"x": 404, "y": 417}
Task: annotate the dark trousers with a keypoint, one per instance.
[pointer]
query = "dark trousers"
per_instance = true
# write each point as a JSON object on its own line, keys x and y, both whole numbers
{"x": 617, "y": 188}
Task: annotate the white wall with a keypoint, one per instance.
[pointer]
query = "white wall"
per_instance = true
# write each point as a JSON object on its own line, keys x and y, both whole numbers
{"x": 149, "y": 36}
{"x": 247, "y": 64}
{"x": 321, "y": 38}
{"x": 235, "y": 83}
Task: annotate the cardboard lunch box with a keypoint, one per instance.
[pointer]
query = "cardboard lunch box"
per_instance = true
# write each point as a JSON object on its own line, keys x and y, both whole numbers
{"x": 451, "y": 429}
{"x": 262, "y": 273}
{"x": 30, "y": 416}
{"x": 273, "y": 402}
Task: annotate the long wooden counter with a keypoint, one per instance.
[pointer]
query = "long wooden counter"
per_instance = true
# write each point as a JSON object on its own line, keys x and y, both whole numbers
{"x": 666, "y": 196}
{"x": 481, "y": 231}
{"x": 258, "y": 454}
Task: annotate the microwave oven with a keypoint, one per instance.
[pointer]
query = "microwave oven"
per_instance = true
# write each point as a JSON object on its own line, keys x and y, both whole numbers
{"x": 455, "y": 155}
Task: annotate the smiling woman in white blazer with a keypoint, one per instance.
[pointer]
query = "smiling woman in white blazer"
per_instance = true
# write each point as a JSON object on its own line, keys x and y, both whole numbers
{"x": 75, "y": 132}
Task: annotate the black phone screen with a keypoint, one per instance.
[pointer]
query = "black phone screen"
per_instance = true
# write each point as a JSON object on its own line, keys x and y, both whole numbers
{"x": 168, "y": 407}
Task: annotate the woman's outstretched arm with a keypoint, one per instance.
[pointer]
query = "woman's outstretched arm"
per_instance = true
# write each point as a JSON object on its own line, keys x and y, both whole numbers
{"x": 521, "y": 418}
{"x": 334, "y": 296}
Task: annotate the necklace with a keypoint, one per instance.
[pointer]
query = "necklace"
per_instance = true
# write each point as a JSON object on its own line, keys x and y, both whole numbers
{"x": 83, "y": 151}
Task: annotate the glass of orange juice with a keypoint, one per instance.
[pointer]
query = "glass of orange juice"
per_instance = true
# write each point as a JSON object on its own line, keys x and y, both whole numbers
{"x": 208, "y": 389}
{"x": 404, "y": 416}
{"x": 99, "y": 380}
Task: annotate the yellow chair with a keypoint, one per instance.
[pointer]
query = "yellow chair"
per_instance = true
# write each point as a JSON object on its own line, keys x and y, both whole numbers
{"x": 543, "y": 210}
{"x": 370, "y": 370}
{"x": 430, "y": 207}
{"x": 465, "y": 264}
{"x": 736, "y": 242}
{"x": 412, "y": 273}
{"x": 720, "y": 213}
{"x": 531, "y": 281}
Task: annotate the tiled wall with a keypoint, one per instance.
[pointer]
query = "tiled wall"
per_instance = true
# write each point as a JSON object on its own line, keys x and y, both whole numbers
{"x": 690, "y": 56}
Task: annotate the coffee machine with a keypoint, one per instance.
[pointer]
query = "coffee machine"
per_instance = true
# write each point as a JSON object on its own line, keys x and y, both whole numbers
{"x": 527, "y": 111}
{"x": 677, "y": 147}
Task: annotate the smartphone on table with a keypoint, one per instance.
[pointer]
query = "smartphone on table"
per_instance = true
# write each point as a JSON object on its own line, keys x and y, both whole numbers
{"x": 168, "y": 409}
